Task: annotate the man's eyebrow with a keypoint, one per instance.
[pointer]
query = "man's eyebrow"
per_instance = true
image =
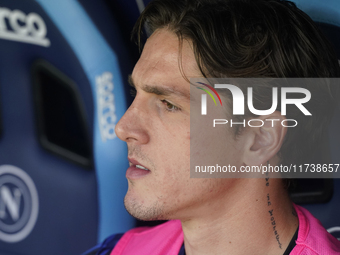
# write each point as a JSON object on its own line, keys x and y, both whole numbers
{"x": 160, "y": 91}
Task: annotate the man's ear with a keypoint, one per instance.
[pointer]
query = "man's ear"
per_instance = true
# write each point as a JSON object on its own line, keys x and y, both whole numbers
{"x": 264, "y": 142}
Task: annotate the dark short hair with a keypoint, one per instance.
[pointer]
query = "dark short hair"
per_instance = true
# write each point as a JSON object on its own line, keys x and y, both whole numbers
{"x": 254, "y": 39}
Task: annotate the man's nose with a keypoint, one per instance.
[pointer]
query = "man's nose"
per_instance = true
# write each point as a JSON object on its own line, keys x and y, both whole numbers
{"x": 132, "y": 126}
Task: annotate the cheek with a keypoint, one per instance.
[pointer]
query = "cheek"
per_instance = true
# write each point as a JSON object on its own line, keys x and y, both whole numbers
{"x": 173, "y": 146}
{"x": 196, "y": 194}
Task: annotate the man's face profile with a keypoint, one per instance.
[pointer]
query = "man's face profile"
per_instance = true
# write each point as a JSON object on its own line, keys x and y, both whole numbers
{"x": 156, "y": 129}
{"x": 170, "y": 127}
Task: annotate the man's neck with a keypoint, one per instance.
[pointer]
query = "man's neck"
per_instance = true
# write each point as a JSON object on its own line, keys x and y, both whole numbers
{"x": 260, "y": 220}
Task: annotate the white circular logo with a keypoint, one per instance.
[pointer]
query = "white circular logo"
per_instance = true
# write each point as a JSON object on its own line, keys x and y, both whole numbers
{"x": 19, "y": 204}
{"x": 335, "y": 231}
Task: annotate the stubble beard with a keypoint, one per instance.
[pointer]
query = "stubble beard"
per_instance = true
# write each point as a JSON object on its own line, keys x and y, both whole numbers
{"x": 145, "y": 213}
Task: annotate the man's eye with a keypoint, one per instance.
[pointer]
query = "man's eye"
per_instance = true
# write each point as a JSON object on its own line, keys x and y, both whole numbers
{"x": 170, "y": 107}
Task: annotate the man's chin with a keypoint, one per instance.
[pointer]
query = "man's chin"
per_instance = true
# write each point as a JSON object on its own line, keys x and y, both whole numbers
{"x": 142, "y": 212}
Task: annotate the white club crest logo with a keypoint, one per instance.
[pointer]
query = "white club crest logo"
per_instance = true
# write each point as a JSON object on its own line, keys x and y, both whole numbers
{"x": 19, "y": 204}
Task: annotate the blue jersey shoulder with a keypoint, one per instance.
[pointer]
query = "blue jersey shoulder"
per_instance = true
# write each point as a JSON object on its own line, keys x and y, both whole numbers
{"x": 105, "y": 247}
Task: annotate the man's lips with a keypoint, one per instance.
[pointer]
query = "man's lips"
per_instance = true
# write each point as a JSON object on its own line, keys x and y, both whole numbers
{"x": 136, "y": 170}
{"x": 136, "y": 163}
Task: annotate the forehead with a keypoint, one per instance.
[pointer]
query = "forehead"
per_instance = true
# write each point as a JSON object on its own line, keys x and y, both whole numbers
{"x": 161, "y": 59}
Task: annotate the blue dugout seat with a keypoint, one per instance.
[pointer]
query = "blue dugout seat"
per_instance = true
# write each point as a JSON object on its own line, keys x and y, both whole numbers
{"x": 63, "y": 69}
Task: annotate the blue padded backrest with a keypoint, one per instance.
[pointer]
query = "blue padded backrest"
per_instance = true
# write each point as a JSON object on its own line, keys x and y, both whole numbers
{"x": 321, "y": 11}
{"x": 49, "y": 195}
{"x": 327, "y": 15}
{"x": 101, "y": 67}
{"x": 64, "y": 190}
